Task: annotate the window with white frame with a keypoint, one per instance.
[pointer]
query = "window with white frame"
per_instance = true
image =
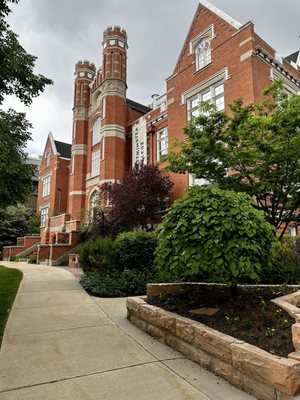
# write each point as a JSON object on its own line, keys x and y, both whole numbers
{"x": 95, "y": 167}
{"x": 44, "y": 215}
{"x": 203, "y": 54}
{"x": 162, "y": 143}
{"x": 213, "y": 95}
{"x": 46, "y": 186}
{"x": 96, "y": 131}
{"x": 94, "y": 204}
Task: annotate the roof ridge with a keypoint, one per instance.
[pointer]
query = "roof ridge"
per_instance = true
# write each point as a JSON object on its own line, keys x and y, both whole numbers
{"x": 221, "y": 14}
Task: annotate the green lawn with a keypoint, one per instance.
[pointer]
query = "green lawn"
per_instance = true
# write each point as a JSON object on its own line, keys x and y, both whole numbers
{"x": 10, "y": 280}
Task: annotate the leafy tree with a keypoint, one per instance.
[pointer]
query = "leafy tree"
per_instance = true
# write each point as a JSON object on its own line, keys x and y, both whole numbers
{"x": 218, "y": 232}
{"x": 138, "y": 197}
{"x": 16, "y": 78}
{"x": 15, "y": 221}
{"x": 254, "y": 150}
{"x": 15, "y": 175}
{"x": 98, "y": 225}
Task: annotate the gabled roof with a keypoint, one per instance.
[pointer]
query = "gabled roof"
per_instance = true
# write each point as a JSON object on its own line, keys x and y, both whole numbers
{"x": 293, "y": 57}
{"x": 64, "y": 149}
{"x": 138, "y": 106}
{"x": 61, "y": 148}
{"x": 203, "y": 3}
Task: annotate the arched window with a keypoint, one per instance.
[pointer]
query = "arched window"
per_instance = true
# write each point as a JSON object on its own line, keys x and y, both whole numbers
{"x": 96, "y": 131}
{"x": 94, "y": 204}
{"x": 203, "y": 54}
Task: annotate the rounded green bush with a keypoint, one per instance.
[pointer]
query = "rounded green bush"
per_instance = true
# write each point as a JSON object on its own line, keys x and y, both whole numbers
{"x": 216, "y": 231}
{"x": 97, "y": 254}
{"x": 32, "y": 259}
{"x": 135, "y": 250}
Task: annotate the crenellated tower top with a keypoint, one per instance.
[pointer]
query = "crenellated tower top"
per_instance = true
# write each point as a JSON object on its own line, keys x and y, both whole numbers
{"x": 84, "y": 74}
{"x": 114, "y": 53}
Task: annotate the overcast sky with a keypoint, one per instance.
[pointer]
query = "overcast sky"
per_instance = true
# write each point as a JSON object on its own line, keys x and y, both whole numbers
{"x": 61, "y": 32}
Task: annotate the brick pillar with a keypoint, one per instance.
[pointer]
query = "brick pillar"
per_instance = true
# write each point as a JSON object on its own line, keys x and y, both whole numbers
{"x": 84, "y": 75}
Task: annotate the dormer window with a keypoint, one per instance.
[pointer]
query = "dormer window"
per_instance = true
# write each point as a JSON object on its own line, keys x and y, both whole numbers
{"x": 203, "y": 54}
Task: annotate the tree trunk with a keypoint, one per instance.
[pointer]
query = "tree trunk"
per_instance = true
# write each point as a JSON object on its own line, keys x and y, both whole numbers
{"x": 234, "y": 291}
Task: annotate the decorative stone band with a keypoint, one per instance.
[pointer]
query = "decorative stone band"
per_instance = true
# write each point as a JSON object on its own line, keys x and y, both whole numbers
{"x": 80, "y": 113}
{"x": 77, "y": 193}
{"x": 92, "y": 181}
{"x": 276, "y": 64}
{"x": 109, "y": 87}
{"x": 248, "y": 367}
{"x": 113, "y": 131}
{"x": 113, "y": 87}
{"x": 79, "y": 149}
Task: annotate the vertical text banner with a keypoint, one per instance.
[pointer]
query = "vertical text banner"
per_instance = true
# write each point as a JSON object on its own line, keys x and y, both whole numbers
{"x": 139, "y": 141}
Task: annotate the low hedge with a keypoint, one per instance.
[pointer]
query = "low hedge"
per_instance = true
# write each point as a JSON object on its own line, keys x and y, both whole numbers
{"x": 118, "y": 283}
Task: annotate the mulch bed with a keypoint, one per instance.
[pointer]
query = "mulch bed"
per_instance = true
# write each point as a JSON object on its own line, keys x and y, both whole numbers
{"x": 251, "y": 318}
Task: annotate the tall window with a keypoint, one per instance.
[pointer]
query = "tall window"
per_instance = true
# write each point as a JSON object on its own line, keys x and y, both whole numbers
{"x": 44, "y": 215}
{"x": 96, "y": 131}
{"x": 94, "y": 204}
{"x": 203, "y": 54}
{"x": 95, "y": 168}
{"x": 48, "y": 155}
{"x": 162, "y": 143}
{"x": 46, "y": 186}
{"x": 213, "y": 95}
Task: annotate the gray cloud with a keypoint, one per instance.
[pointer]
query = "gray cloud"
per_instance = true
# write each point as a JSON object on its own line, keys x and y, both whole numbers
{"x": 61, "y": 32}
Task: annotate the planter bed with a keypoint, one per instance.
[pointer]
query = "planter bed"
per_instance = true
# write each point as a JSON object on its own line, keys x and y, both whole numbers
{"x": 265, "y": 375}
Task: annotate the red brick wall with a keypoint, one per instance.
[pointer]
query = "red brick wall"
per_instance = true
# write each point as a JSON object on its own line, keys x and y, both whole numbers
{"x": 59, "y": 170}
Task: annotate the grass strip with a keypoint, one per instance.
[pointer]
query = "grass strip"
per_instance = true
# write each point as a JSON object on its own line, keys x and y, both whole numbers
{"x": 10, "y": 280}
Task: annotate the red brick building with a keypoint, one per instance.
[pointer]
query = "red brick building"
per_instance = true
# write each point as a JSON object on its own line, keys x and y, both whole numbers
{"x": 220, "y": 61}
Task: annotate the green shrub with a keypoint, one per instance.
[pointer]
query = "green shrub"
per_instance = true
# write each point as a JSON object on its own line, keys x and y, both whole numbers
{"x": 12, "y": 258}
{"x": 97, "y": 254}
{"x": 64, "y": 261}
{"x": 118, "y": 283}
{"x": 135, "y": 250}
{"x": 32, "y": 259}
{"x": 285, "y": 267}
{"x": 218, "y": 232}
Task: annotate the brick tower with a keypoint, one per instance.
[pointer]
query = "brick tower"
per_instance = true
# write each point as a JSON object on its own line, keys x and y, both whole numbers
{"x": 107, "y": 114}
{"x": 84, "y": 75}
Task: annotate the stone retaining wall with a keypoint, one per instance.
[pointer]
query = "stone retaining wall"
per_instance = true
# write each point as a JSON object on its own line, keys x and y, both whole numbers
{"x": 256, "y": 371}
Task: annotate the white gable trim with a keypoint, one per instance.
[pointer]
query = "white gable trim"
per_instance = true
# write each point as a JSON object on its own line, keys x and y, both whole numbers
{"x": 52, "y": 143}
{"x": 221, "y": 14}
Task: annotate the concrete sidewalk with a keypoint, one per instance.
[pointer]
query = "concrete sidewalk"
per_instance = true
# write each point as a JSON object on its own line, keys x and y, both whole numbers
{"x": 60, "y": 343}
